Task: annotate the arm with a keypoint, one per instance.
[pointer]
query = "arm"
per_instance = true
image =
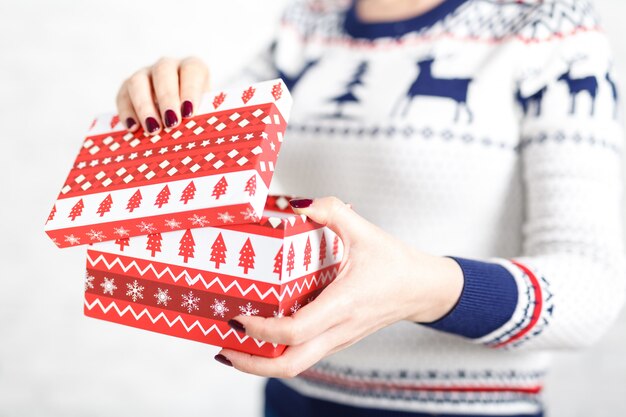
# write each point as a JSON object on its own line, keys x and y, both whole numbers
{"x": 568, "y": 285}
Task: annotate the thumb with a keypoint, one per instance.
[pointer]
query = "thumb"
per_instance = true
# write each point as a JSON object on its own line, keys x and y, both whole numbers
{"x": 333, "y": 213}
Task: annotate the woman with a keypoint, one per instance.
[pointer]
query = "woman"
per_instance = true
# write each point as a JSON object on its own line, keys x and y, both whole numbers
{"x": 479, "y": 140}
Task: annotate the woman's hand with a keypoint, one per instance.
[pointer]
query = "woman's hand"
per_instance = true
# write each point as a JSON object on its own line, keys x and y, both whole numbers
{"x": 381, "y": 281}
{"x": 157, "y": 96}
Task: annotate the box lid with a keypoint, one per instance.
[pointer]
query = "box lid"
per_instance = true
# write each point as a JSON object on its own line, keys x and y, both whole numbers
{"x": 213, "y": 169}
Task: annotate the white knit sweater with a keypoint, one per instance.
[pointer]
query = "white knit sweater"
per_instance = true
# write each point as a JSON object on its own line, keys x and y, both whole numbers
{"x": 485, "y": 130}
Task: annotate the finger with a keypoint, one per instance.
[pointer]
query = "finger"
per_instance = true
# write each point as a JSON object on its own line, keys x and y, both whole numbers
{"x": 194, "y": 80}
{"x": 142, "y": 99}
{"x": 331, "y": 307}
{"x": 332, "y": 212}
{"x": 125, "y": 109}
{"x": 165, "y": 84}
{"x": 295, "y": 359}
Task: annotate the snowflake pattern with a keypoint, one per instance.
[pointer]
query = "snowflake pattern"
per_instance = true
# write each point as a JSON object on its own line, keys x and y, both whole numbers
{"x": 279, "y": 314}
{"x": 146, "y": 227}
{"x": 121, "y": 232}
{"x": 225, "y": 217}
{"x": 198, "y": 220}
{"x": 219, "y": 308}
{"x": 162, "y": 297}
{"x": 135, "y": 291}
{"x": 96, "y": 235}
{"x": 190, "y": 302}
{"x": 248, "y": 310}
{"x": 72, "y": 240}
{"x": 295, "y": 307}
{"x": 54, "y": 240}
{"x": 172, "y": 224}
{"x": 88, "y": 281}
{"x": 250, "y": 214}
{"x": 108, "y": 286}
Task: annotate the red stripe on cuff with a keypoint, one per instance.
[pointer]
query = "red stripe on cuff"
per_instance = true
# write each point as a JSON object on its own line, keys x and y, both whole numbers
{"x": 536, "y": 311}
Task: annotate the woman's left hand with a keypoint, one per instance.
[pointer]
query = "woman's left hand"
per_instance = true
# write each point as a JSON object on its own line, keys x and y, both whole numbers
{"x": 381, "y": 281}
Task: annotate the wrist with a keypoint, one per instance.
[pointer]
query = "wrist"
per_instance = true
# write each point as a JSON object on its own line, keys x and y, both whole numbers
{"x": 441, "y": 284}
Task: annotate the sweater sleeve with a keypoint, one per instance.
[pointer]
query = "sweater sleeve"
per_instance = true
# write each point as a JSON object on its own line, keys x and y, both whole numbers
{"x": 569, "y": 283}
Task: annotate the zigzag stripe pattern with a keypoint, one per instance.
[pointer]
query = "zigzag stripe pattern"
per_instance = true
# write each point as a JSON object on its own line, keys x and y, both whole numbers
{"x": 493, "y": 20}
{"x": 324, "y": 278}
{"x": 171, "y": 323}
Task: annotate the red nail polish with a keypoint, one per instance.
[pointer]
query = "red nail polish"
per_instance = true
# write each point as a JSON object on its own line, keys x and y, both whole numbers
{"x": 130, "y": 122}
{"x": 187, "y": 108}
{"x": 152, "y": 125}
{"x": 301, "y": 203}
{"x": 237, "y": 326}
{"x": 170, "y": 118}
{"x": 223, "y": 359}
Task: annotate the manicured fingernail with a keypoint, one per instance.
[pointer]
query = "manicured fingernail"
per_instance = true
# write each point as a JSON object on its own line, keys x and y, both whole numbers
{"x": 223, "y": 359}
{"x": 152, "y": 125}
{"x": 301, "y": 203}
{"x": 236, "y": 325}
{"x": 187, "y": 108}
{"x": 170, "y": 118}
{"x": 130, "y": 122}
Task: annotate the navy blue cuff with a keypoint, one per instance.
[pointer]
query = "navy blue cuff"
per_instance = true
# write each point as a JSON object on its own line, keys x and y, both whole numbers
{"x": 487, "y": 302}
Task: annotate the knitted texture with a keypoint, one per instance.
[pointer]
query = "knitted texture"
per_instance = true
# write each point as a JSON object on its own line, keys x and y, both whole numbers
{"x": 484, "y": 130}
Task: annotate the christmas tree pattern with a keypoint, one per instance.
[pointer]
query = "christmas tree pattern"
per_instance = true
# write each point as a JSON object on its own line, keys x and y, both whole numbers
{"x": 135, "y": 201}
{"x": 291, "y": 257}
{"x": 246, "y": 256}
{"x": 248, "y": 94}
{"x": 52, "y": 213}
{"x": 123, "y": 241}
{"x": 307, "y": 253}
{"x": 218, "y": 251}
{"x": 251, "y": 186}
{"x": 77, "y": 210}
{"x": 348, "y": 96}
{"x": 154, "y": 243}
{"x": 163, "y": 197}
{"x": 218, "y": 100}
{"x": 105, "y": 205}
{"x": 187, "y": 244}
{"x": 335, "y": 246}
{"x": 188, "y": 193}
{"x": 278, "y": 261}
{"x": 323, "y": 249}
{"x": 220, "y": 188}
{"x": 277, "y": 91}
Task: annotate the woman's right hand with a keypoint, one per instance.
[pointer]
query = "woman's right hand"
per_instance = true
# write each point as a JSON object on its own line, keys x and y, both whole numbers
{"x": 162, "y": 94}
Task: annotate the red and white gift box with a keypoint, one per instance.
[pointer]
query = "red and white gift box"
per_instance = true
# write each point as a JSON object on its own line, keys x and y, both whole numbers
{"x": 183, "y": 235}
{"x": 189, "y": 283}
{"x": 211, "y": 169}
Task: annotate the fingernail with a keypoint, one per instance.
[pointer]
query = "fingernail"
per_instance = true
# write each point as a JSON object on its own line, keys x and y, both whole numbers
{"x": 223, "y": 359}
{"x": 187, "y": 108}
{"x": 301, "y": 203}
{"x": 152, "y": 125}
{"x": 130, "y": 122}
{"x": 170, "y": 118}
{"x": 236, "y": 325}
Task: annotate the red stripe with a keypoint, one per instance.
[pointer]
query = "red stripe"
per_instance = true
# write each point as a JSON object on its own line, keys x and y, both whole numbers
{"x": 424, "y": 38}
{"x": 536, "y": 310}
{"x": 177, "y": 329}
{"x": 316, "y": 375}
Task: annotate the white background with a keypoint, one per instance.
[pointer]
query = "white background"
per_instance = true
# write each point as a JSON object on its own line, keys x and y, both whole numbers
{"x": 61, "y": 62}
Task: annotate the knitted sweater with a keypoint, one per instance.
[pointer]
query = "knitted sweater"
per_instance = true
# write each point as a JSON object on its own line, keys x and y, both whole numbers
{"x": 483, "y": 130}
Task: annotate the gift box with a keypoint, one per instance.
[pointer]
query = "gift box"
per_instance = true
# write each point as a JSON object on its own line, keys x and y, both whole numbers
{"x": 214, "y": 168}
{"x": 189, "y": 283}
{"x": 182, "y": 233}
